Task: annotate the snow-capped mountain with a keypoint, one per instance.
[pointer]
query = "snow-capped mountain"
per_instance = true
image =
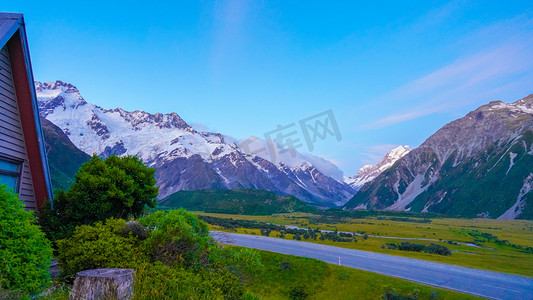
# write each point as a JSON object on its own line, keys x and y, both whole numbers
{"x": 480, "y": 165}
{"x": 186, "y": 159}
{"x": 369, "y": 172}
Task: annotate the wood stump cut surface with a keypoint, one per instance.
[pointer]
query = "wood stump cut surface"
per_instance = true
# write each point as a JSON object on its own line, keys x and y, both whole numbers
{"x": 100, "y": 284}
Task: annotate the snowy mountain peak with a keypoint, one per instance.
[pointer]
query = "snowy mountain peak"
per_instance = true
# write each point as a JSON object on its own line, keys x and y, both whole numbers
{"x": 184, "y": 158}
{"x": 369, "y": 172}
{"x": 57, "y": 85}
{"x": 397, "y": 153}
{"x": 57, "y": 94}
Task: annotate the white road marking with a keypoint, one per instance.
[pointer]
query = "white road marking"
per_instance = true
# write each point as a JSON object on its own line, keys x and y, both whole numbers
{"x": 499, "y": 287}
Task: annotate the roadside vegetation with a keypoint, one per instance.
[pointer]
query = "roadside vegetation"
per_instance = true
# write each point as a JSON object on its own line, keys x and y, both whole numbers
{"x": 292, "y": 277}
{"x": 506, "y": 249}
{"x": 406, "y": 246}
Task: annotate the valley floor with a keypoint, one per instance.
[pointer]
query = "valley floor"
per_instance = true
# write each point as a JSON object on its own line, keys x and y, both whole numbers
{"x": 472, "y": 281}
{"x": 489, "y": 255}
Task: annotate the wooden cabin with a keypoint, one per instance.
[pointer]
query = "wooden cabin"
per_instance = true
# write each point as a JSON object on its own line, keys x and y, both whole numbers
{"x": 23, "y": 162}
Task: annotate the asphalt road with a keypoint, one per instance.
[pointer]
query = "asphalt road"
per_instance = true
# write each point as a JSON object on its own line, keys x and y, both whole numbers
{"x": 476, "y": 282}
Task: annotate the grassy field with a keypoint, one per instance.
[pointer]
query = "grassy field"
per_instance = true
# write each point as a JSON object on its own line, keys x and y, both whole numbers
{"x": 292, "y": 277}
{"x": 287, "y": 277}
{"x": 490, "y": 256}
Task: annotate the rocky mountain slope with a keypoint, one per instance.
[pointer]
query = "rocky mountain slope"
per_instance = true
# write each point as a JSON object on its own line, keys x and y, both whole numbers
{"x": 479, "y": 165}
{"x": 367, "y": 173}
{"x": 64, "y": 159}
{"x": 186, "y": 159}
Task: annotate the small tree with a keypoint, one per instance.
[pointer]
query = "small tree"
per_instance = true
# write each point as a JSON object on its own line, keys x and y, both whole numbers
{"x": 116, "y": 187}
{"x": 25, "y": 253}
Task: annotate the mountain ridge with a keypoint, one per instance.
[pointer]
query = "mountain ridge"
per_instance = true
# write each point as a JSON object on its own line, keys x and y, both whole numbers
{"x": 184, "y": 158}
{"x": 475, "y": 166}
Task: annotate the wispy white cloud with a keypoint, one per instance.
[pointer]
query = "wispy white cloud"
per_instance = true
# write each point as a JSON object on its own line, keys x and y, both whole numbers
{"x": 467, "y": 80}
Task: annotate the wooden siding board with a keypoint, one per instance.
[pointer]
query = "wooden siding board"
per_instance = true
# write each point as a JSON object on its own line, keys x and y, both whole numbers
{"x": 4, "y": 57}
{"x": 12, "y": 153}
{"x": 4, "y": 77}
{"x": 9, "y": 126}
{"x": 11, "y": 134}
{"x": 7, "y": 91}
{"x": 9, "y": 102}
{"x": 12, "y": 143}
{"x": 8, "y": 112}
{"x": 7, "y": 115}
{"x": 4, "y": 65}
{"x": 7, "y": 95}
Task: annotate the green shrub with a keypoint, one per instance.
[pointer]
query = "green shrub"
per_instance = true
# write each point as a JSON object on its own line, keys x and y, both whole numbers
{"x": 117, "y": 187}
{"x": 98, "y": 246}
{"x": 406, "y": 246}
{"x": 25, "y": 254}
{"x": 299, "y": 292}
{"x": 136, "y": 229}
{"x": 437, "y": 249}
{"x": 391, "y": 294}
{"x": 171, "y": 252}
{"x": 177, "y": 237}
{"x": 158, "y": 281}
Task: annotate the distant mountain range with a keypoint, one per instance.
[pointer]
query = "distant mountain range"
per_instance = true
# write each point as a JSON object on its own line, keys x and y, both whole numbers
{"x": 186, "y": 159}
{"x": 480, "y": 165}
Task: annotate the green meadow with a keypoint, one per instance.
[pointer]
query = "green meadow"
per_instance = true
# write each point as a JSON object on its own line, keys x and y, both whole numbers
{"x": 292, "y": 277}
{"x": 511, "y": 256}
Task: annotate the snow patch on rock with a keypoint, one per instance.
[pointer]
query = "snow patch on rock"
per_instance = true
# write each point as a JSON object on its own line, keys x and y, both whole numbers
{"x": 414, "y": 189}
{"x": 514, "y": 211}
{"x": 512, "y": 156}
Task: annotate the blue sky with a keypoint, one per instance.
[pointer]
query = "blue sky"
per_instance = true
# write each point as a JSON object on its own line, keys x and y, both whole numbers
{"x": 392, "y": 72}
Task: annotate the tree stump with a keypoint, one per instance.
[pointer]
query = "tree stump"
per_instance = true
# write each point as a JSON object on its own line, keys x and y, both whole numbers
{"x": 100, "y": 284}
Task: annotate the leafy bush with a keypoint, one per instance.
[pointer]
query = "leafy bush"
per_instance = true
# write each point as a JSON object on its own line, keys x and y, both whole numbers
{"x": 158, "y": 281}
{"x": 136, "y": 229}
{"x": 172, "y": 253}
{"x": 180, "y": 238}
{"x": 25, "y": 254}
{"x": 299, "y": 292}
{"x": 177, "y": 237}
{"x": 406, "y": 246}
{"x": 180, "y": 241}
{"x": 391, "y": 294}
{"x": 116, "y": 187}
{"x": 98, "y": 246}
{"x": 437, "y": 249}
